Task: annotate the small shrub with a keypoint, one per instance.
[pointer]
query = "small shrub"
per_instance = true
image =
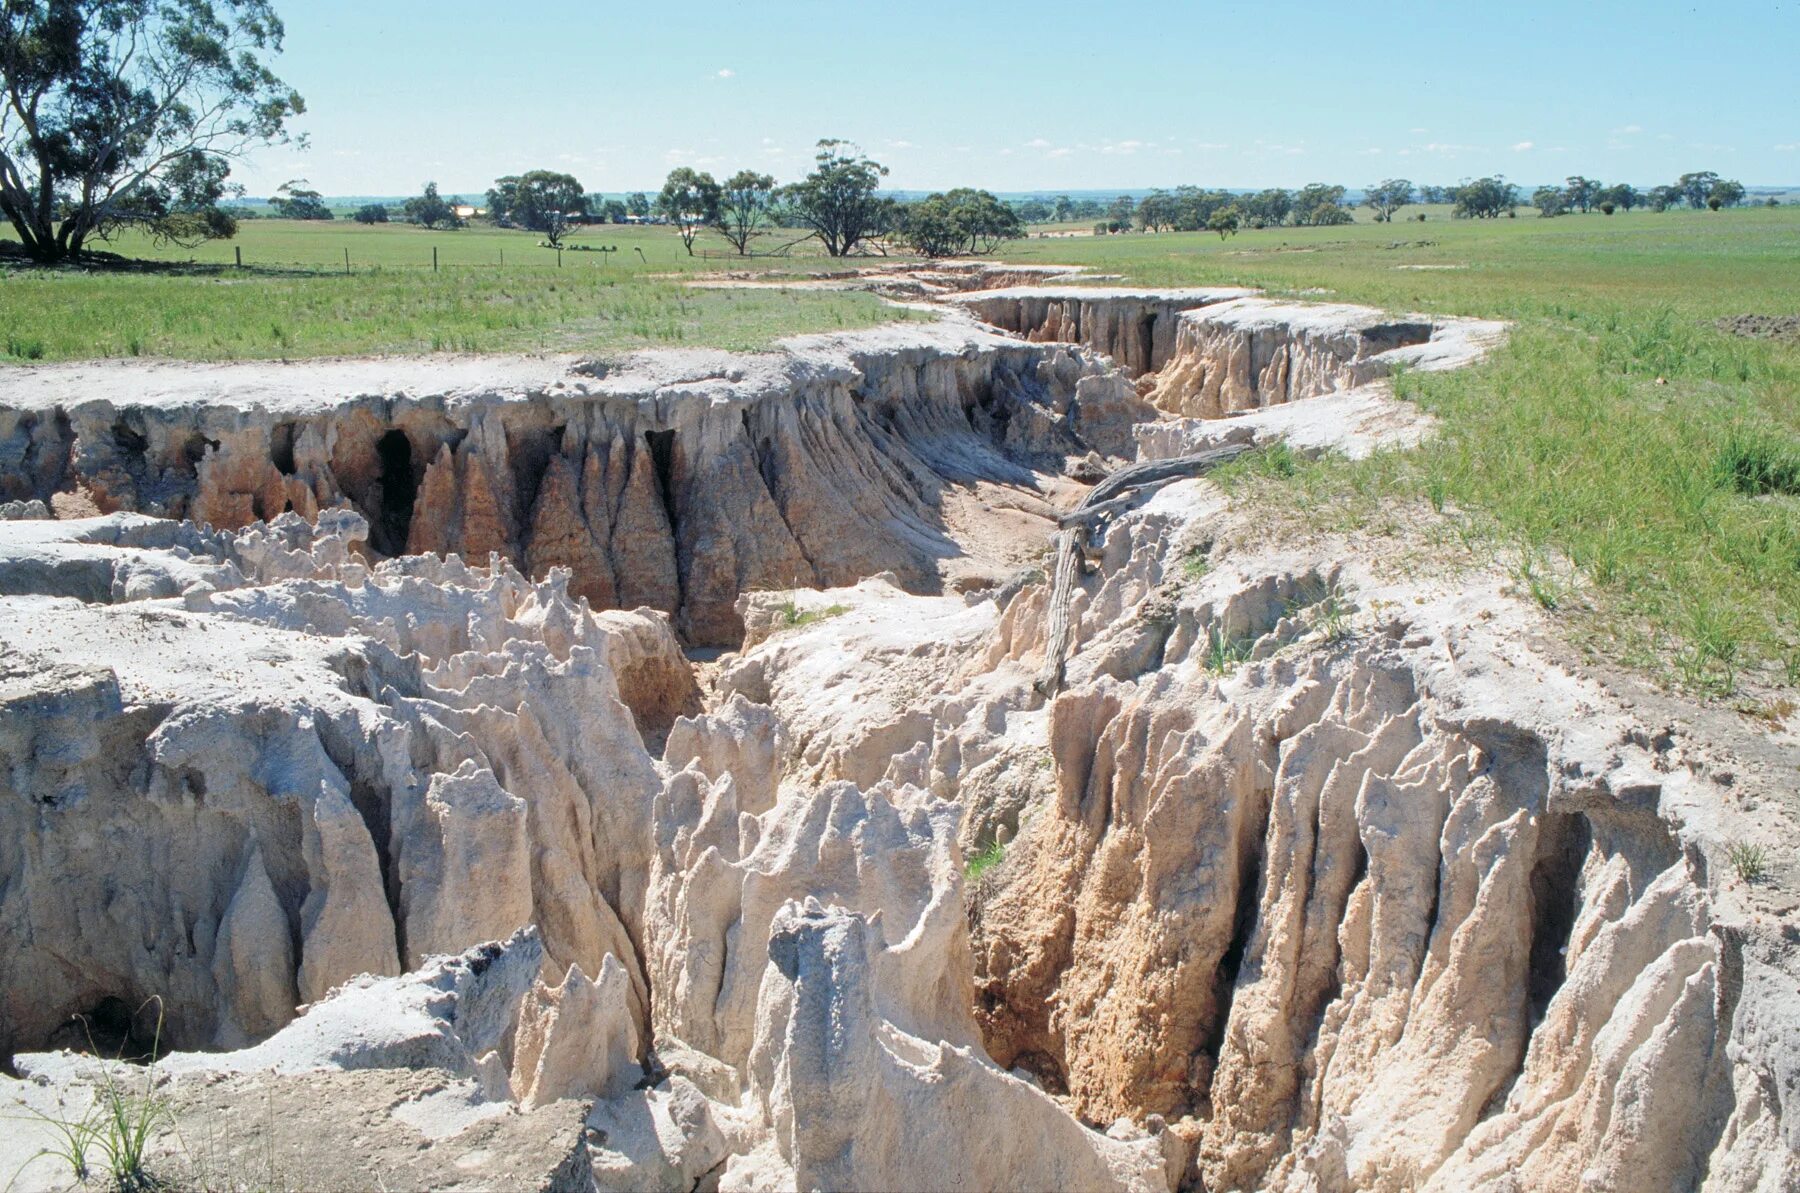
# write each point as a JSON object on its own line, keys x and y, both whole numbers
{"x": 1750, "y": 862}
{"x": 1757, "y": 463}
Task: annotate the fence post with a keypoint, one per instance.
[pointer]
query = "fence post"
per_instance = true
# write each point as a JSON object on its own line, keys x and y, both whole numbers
{"x": 239, "y": 250}
{"x": 434, "y": 258}
{"x": 502, "y": 258}
{"x": 346, "y": 261}
{"x": 559, "y": 258}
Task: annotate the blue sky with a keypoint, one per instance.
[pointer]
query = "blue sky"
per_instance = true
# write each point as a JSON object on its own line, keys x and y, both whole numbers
{"x": 1039, "y": 96}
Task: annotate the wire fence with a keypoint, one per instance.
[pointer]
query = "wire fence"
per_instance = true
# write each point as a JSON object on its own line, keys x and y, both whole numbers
{"x": 432, "y": 260}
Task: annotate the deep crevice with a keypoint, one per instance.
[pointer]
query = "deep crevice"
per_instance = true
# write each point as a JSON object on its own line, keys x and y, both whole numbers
{"x": 281, "y": 448}
{"x": 662, "y": 461}
{"x": 399, "y": 489}
{"x": 1562, "y": 847}
{"x": 1245, "y": 909}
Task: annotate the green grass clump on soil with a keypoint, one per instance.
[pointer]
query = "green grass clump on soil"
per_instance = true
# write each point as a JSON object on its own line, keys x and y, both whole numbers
{"x": 793, "y": 617}
{"x": 984, "y": 861}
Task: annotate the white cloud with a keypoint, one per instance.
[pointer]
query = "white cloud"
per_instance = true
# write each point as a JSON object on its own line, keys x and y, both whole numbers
{"x": 1371, "y": 152}
{"x": 1418, "y": 131}
{"x": 1786, "y": 148}
{"x": 1211, "y": 145}
{"x": 1064, "y": 151}
{"x": 727, "y": 73}
{"x": 1522, "y": 146}
{"x": 689, "y": 157}
{"x": 1037, "y": 143}
{"x": 901, "y": 145}
{"x": 1628, "y": 130}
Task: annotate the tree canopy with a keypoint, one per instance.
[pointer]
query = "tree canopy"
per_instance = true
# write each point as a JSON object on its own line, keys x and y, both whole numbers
{"x": 837, "y": 201}
{"x": 689, "y": 200}
{"x": 1320, "y": 205}
{"x": 745, "y": 208}
{"x": 959, "y": 221}
{"x": 544, "y": 201}
{"x": 297, "y": 201}
{"x": 1388, "y": 196}
{"x": 121, "y": 113}
{"x": 430, "y": 210}
{"x": 1485, "y": 198}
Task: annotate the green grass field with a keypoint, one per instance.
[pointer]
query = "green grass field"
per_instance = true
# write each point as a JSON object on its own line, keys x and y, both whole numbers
{"x": 492, "y": 291}
{"x": 1636, "y": 467}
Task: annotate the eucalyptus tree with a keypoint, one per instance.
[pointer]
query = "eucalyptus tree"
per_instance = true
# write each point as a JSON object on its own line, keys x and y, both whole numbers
{"x": 129, "y": 113}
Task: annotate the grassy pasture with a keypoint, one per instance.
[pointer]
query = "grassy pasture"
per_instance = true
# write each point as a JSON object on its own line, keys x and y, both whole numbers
{"x": 1634, "y": 465}
{"x": 493, "y": 291}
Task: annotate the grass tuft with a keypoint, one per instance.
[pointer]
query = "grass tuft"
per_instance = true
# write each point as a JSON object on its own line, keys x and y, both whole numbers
{"x": 1224, "y": 655}
{"x": 112, "y": 1137}
{"x": 1750, "y": 862}
{"x": 984, "y": 861}
{"x": 792, "y": 616}
{"x": 1758, "y": 464}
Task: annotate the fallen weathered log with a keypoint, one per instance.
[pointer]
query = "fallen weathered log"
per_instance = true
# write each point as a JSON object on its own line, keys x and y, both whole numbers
{"x": 1111, "y": 496}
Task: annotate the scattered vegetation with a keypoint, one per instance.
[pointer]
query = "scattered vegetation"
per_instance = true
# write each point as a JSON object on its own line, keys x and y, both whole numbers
{"x": 792, "y": 616}
{"x": 1329, "y": 609}
{"x": 1750, "y": 862}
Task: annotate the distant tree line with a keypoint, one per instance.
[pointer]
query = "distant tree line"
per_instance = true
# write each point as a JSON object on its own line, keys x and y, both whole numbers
{"x": 1188, "y": 208}
{"x": 1702, "y": 189}
{"x": 838, "y": 203}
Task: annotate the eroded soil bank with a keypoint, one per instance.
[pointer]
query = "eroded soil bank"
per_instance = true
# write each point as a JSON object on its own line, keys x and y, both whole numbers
{"x": 1322, "y": 869}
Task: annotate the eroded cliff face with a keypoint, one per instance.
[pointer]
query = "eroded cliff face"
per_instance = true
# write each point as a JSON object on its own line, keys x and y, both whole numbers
{"x": 1206, "y": 354}
{"x": 1315, "y": 874}
{"x": 1329, "y": 873}
{"x": 301, "y": 771}
{"x": 674, "y": 482}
